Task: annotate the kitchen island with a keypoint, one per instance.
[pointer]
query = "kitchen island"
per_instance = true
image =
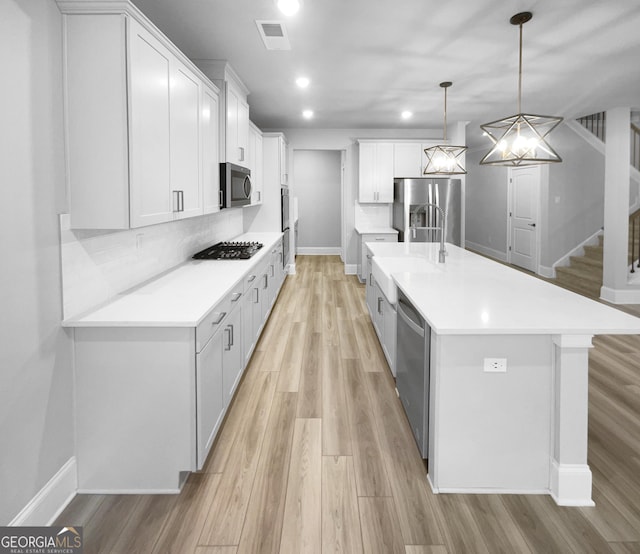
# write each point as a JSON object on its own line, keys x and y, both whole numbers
{"x": 508, "y": 383}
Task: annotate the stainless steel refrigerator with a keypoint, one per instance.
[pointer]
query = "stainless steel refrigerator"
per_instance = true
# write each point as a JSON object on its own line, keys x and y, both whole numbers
{"x": 416, "y": 223}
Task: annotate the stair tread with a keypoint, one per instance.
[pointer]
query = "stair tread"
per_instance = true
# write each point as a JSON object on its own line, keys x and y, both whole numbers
{"x": 585, "y": 260}
{"x": 571, "y": 272}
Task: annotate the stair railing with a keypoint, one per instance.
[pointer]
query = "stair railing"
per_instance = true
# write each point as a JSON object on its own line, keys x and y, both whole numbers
{"x": 634, "y": 240}
{"x": 595, "y": 123}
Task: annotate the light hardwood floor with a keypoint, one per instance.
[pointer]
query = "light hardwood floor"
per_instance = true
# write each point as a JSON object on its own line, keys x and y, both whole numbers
{"x": 316, "y": 455}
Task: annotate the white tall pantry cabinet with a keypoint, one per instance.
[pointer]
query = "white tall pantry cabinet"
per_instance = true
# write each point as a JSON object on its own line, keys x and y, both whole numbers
{"x": 137, "y": 142}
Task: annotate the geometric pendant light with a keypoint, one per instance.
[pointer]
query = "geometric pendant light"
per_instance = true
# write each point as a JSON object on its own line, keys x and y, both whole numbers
{"x": 520, "y": 139}
{"x": 443, "y": 159}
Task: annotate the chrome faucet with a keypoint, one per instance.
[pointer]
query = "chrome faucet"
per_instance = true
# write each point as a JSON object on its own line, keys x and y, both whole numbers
{"x": 443, "y": 225}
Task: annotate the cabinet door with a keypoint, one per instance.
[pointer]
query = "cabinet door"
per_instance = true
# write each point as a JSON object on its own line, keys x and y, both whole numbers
{"x": 243, "y": 132}
{"x": 248, "y": 330}
{"x": 284, "y": 160}
{"x": 150, "y": 185}
{"x": 185, "y": 142}
{"x": 210, "y": 405}
{"x": 232, "y": 102}
{"x": 255, "y": 145}
{"x": 384, "y": 172}
{"x": 389, "y": 333}
{"x": 210, "y": 151}
{"x": 231, "y": 354}
{"x": 367, "y": 186}
{"x": 407, "y": 160}
{"x": 371, "y": 288}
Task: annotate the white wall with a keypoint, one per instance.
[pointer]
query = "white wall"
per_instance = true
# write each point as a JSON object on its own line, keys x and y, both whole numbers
{"x": 317, "y": 175}
{"x": 572, "y": 200}
{"x": 345, "y": 139}
{"x": 36, "y": 398}
{"x": 575, "y": 200}
{"x": 486, "y": 206}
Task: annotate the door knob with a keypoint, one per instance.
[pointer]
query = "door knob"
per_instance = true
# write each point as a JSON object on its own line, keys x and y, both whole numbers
{"x": 531, "y": 224}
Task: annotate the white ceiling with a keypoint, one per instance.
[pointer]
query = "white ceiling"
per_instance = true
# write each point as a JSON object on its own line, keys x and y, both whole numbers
{"x": 370, "y": 59}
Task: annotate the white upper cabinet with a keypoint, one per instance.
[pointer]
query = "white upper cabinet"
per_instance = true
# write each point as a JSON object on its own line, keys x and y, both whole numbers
{"x": 237, "y": 125}
{"x": 376, "y": 172}
{"x": 210, "y": 153}
{"x": 255, "y": 159}
{"x": 234, "y": 112}
{"x": 150, "y": 186}
{"x": 185, "y": 142}
{"x": 134, "y": 115}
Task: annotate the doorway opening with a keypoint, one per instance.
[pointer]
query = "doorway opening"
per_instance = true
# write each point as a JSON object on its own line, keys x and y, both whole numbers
{"x": 317, "y": 209}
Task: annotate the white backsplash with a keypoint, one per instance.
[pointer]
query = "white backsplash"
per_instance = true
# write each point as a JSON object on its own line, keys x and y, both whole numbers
{"x": 373, "y": 215}
{"x": 98, "y": 265}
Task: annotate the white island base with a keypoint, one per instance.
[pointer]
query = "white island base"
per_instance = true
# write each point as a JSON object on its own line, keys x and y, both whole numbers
{"x": 523, "y": 428}
{"x": 520, "y": 431}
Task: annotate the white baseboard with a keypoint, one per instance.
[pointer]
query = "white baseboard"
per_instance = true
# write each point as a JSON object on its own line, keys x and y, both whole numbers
{"x": 51, "y": 500}
{"x": 350, "y": 269}
{"x": 319, "y": 250}
{"x": 545, "y": 271}
{"x": 621, "y": 296}
{"x": 496, "y": 254}
{"x": 571, "y": 484}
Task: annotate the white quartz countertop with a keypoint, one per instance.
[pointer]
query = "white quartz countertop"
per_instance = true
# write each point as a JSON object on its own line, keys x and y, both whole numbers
{"x": 470, "y": 294}
{"x": 365, "y": 230}
{"x": 181, "y": 297}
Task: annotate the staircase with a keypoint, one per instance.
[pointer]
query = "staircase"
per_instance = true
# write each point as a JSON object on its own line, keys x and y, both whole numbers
{"x": 584, "y": 274}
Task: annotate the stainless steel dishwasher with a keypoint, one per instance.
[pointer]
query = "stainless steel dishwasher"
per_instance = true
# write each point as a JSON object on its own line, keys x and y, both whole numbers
{"x": 412, "y": 369}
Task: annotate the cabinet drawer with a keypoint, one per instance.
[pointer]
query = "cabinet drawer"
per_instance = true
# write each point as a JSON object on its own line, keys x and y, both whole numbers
{"x": 215, "y": 318}
{"x": 387, "y": 237}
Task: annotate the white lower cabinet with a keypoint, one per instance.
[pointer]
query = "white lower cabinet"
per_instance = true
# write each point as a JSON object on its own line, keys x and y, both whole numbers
{"x": 232, "y": 357}
{"x": 209, "y": 395}
{"x": 383, "y": 316}
{"x": 150, "y": 400}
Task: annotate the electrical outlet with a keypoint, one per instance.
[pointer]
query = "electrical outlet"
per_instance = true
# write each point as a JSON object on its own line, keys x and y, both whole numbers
{"x": 495, "y": 365}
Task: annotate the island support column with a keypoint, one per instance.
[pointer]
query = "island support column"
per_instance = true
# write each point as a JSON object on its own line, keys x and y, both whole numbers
{"x": 570, "y": 474}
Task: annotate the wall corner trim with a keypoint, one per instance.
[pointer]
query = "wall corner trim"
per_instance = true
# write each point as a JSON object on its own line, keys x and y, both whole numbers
{"x": 52, "y": 499}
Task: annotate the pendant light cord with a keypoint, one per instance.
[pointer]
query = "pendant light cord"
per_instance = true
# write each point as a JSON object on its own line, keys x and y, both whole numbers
{"x": 445, "y": 113}
{"x": 520, "y": 74}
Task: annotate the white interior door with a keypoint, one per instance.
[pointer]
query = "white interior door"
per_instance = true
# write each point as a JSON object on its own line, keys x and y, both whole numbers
{"x": 524, "y": 202}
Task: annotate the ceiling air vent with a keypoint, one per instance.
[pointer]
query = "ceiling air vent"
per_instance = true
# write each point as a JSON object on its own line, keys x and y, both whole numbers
{"x": 274, "y": 35}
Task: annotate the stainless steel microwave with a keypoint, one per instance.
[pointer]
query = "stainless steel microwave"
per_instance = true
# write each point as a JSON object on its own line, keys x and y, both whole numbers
{"x": 235, "y": 185}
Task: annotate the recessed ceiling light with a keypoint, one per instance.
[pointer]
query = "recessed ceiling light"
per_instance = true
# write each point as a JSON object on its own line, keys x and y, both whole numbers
{"x": 307, "y": 114}
{"x": 288, "y": 7}
{"x": 303, "y": 82}
{"x": 406, "y": 114}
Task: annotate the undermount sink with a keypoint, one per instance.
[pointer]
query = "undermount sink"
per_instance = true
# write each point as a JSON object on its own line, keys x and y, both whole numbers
{"x": 383, "y": 267}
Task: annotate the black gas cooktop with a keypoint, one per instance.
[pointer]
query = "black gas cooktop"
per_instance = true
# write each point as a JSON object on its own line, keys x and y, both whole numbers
{"x": 229, "y": 251}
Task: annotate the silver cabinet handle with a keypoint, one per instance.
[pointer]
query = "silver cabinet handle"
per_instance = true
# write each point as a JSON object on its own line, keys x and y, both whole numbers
{"x": 221, "y": 316}
{"x": 236, "y": 296}
{"x": 370, "y": 280}
{"x": 241, "y": 150}
{"x": 176, "y": 201}
{"x": 379, "y": 238}
{"x": 232, "y": 336}
{"x": 266, "y": 281}
{"x": 251, "y": 279}
{"x": 379, "y": 301}
{"x": 272, "y": 269}
{"x": 257, "y": 298}
{"x": 181, "y": 198}
{"x": 220, "y": 200}
{"x": 227, "y": 330}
